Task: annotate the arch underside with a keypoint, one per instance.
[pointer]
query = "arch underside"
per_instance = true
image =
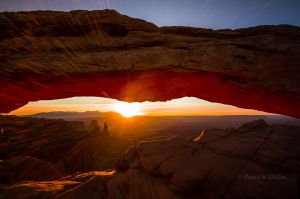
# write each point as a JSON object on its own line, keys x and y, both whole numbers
{"x": 52, "y": 55}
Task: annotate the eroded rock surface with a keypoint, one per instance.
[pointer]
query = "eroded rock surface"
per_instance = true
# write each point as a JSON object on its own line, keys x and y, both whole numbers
{"x": 79, "y": 185}
{"x": 256, "y": 160}
{"x": 55, "y": 146}
{"x": 50, "y": 55}
{"x": 27, "y": 168}
{"x": 221, "y": 163}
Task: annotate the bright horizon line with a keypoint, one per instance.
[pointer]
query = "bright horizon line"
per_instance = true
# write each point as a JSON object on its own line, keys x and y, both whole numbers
{"x": 186, "y": 106}
{"x": 152, "y": 115}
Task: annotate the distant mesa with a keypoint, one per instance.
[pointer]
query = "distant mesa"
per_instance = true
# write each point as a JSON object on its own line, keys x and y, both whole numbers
{"x": 74, "y": 115}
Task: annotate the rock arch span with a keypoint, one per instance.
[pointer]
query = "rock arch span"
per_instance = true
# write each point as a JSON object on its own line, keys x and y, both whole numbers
{"x": 51, "y": 55}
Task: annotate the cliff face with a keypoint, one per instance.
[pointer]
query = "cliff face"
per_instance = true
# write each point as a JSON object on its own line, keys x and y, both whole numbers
{"x": 50, "y": 55}
{"x": 33, "y": 149}
{"x": 43, "y": 149}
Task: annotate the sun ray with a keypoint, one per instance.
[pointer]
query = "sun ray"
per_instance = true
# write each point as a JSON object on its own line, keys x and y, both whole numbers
{"x": 128, "y": 109}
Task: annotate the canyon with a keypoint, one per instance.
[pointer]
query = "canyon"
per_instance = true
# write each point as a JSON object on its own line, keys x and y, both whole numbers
{"x": 52, "y": 55}
{"x": 48, "y": 158}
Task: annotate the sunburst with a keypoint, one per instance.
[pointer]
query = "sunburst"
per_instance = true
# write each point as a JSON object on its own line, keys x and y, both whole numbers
{"x": 128, "y": 109}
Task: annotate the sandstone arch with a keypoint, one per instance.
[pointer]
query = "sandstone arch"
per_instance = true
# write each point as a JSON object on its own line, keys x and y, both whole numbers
{"x": 50, "y": 55}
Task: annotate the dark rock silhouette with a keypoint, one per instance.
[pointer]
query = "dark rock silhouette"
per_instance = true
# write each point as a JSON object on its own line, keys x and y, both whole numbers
{"x": 105, "y": 130}
{"x": 94, "y": 128}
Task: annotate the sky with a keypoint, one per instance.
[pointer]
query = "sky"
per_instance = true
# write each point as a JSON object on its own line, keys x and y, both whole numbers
{"x": 215, "y": 14}
{"x": 188, "y": 106}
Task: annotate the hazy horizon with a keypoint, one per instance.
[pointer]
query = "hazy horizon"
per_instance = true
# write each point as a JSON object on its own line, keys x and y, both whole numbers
{"x": 186, "y": 106}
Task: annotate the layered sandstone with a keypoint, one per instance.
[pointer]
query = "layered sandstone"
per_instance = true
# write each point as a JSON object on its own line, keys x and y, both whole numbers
{"x": 50, "y": 55}
{"x": 220, "y": 163}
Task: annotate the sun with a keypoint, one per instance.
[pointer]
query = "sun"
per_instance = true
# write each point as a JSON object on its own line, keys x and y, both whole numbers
{"x": 128, "y": 109}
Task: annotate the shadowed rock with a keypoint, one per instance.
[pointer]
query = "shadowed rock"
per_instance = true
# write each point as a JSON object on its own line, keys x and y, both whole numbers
{"x": 27, "y": 168}
{"x": 226, "y": 164}
{"x": 94, "y": 128}
{"x": 220, "y": 163}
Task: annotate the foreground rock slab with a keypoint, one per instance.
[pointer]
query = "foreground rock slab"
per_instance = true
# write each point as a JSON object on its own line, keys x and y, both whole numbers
{"x": 222, "y": 163}
{"x": 256, "y": 160}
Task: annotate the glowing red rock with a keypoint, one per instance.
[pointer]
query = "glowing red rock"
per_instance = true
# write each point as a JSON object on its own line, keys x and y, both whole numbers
{"x": 51, "y": 55}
